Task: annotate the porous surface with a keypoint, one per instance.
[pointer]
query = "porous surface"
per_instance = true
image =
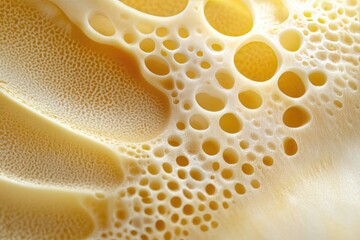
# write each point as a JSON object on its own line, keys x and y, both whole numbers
{"x": 214, "y": 119}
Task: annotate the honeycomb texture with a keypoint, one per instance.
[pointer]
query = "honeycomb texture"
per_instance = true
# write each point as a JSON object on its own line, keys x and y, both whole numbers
{"x": 179, "y": 119}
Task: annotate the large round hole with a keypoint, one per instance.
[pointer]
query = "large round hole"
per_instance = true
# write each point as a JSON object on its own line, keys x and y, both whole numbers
{"x": 210, "y": 189}
{"x": 171, "y": 44}
{"x": 257, "y": 61}
{"x": 174, "y": 141}
{"x": 211, "y": 146}
{"x": 268, "y": 161}
{"x": 291, "y": 84}
{"x": 290, "y": 146}
{"x": 230, "y": 123}
{"x": 147, "y": 45}
{"x": 176, "y": 202}
{"x": 210, "y": 101}
{"x": 229, "y": 17}
{"x": 296, "y": 116}
{"x": 196, "y": 174}
{"x": 317, "y": 78}
{"x": 240, "y": 189}
{"x": 102, "y": 25}
{"x": 198, "y": 122}
{"x": 161, "y": 8}
{"x": 247, "y": 168}
{"x": 180, "y": 58}
{"x": 250, "y": 99}
{"x": 225, "y": 79}
{"x": 291, "y": 40}
{"x": 162, "y": 31}
{"x": 182, "y": 161}
{"x": 157, "y": 65}
{"x": 230, "y": 156}
{"x": 227, "y": 173}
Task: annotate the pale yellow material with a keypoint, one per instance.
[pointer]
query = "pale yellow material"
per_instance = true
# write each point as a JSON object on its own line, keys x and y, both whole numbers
{"x": 162, "y": 119}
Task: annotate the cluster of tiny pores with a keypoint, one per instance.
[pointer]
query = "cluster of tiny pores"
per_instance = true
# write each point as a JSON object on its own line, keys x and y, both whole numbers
{"x": 234, "y": 93}
{"x": 332, "y": 46}
{"x": 228, "y": 115}
{"x": 82, "y": 91}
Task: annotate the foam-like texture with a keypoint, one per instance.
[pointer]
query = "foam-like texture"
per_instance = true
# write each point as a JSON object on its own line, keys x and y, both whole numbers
{"x": 41, "y": 214}
{"x": 36, "y": 150}
{"x": 180, "y": 119}
{"x": 86, "y": 86}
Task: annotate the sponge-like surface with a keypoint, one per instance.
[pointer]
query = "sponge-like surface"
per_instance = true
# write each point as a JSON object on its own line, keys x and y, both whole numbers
{"x": 211, "y": 119}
